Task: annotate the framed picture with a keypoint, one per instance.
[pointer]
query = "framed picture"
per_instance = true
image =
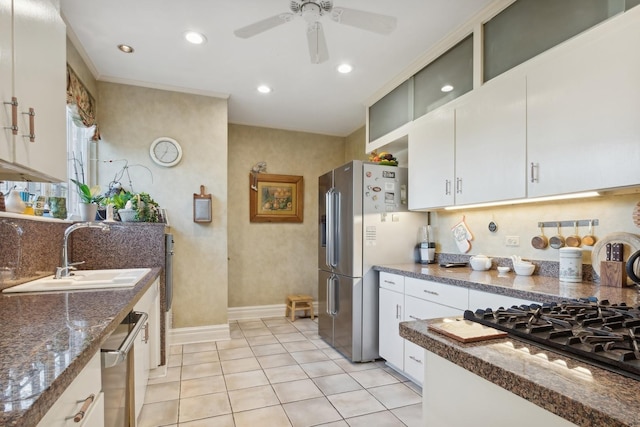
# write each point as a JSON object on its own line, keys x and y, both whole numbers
{"x": 276, "y": 198}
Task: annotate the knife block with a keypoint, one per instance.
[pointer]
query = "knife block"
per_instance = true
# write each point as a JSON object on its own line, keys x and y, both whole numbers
{"x": 612, "y": 273}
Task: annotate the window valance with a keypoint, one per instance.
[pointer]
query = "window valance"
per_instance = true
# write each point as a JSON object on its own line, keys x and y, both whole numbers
{"x": 82, "y": 104}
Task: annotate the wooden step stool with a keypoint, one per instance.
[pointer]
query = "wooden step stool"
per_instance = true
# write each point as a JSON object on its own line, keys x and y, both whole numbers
{"x": 299, "y": 302}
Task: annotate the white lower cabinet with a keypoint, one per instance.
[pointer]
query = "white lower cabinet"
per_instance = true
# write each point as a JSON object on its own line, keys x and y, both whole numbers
{"x": 147, "y": 346}
{"x": 415, "y": 299}
{"x": 390, "y": 309}
{"x": 70, "y": 403}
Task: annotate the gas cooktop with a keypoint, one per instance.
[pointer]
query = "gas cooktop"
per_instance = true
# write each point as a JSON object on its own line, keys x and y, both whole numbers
{"x": 604, "y": 334}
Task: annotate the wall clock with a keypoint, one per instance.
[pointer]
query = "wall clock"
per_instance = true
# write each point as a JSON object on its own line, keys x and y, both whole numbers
{"x": 165, "y": 151}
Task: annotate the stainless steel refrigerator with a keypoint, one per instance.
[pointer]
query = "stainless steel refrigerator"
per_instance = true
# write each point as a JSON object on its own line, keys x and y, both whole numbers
{"x": 363, "y": 221}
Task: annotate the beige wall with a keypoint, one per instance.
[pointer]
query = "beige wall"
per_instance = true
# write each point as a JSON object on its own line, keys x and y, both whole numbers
{"x": 268, "y": 261}
{"x": 131, "y": 118}
{"x": 354, "y": 147}
{"x": 82, "y": 71}
{"x": 613, "y": 212}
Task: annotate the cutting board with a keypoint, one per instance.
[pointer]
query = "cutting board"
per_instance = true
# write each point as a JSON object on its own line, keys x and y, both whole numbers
{"x": 466, "y": 330}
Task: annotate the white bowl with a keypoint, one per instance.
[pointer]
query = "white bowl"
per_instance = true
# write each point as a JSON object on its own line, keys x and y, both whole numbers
{"x": 524, "y": 269}
{"x": 503, "y": 270}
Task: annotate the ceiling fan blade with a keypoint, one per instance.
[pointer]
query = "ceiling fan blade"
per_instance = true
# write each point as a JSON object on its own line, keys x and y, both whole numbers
{"x": 317, "y": 43}
{"x": 264, "y": 25}
{"x": 375, "y": 22}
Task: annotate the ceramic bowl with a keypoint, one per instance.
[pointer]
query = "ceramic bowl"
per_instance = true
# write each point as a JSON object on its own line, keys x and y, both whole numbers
{"x": 503, "y": 270}
{"x": 524, "y": 269}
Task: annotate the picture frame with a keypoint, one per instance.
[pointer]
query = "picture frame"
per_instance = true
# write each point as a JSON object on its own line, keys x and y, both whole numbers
{"x": 276, "y": 198}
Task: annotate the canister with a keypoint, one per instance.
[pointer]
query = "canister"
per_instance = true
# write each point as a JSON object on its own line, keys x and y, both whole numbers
{"x": 570, "y": 264}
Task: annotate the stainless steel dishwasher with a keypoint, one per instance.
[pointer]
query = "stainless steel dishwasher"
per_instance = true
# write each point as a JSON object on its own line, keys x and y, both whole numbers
{"x": 118, "y": 380}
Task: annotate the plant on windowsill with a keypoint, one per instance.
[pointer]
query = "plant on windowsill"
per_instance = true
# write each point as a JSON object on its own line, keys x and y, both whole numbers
{"x": 90, "y": 198}
{"x": 135, "y": 207}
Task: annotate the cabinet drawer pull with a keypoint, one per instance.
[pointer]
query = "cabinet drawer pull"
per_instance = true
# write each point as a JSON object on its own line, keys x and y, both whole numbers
{"x": 391, "y": 282}
{"x": 415, "y": 359}
{"x": 32, "y": 133}
{"x": 79, "y": 416}
{"x": 431, "y": 292}
{"x": 414, "y": 317}
{"x": 14, "y": 115}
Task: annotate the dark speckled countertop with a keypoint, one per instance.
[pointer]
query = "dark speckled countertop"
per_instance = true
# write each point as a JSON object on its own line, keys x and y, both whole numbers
{"x": 42, "y": 349}
{"x": 579, "y": 392}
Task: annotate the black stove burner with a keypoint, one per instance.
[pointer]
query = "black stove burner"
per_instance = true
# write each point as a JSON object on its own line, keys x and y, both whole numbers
{"x": 606, "y": 335}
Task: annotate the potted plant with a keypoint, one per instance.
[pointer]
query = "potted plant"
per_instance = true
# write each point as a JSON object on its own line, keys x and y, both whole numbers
{"x": 146, "y": 209}
{"x": 90, "y": 197}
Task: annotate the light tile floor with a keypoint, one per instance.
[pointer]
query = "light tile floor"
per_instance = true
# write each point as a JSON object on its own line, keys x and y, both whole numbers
{"x": 274, "y": 372}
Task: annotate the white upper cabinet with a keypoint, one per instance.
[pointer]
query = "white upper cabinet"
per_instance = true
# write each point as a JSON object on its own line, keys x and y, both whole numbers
{"x": 583, "y": 105}
{"x": 490, "y": 144}
{"x": 431, "y": 160}
{"x": 39, "y": 81}
{"x": 6, "y": 83}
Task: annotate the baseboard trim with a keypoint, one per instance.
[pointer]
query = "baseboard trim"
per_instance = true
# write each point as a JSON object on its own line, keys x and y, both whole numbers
{"x": 179, "y": 336}
{"x": 260, "y": 311}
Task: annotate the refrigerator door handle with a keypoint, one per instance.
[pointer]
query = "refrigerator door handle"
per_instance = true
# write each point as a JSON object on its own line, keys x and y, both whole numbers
{"x": 329, "y": 214}
{"x": 336, "y": 300}
{"x": 328, "y": 308}
{"x": 335, "y": 239}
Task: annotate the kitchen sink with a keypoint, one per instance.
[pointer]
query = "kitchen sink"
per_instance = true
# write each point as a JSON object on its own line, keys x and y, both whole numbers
{"x": 84, "y": 279}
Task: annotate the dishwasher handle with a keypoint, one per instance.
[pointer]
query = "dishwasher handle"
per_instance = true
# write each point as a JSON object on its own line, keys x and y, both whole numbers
{"x": 111, "y": 358}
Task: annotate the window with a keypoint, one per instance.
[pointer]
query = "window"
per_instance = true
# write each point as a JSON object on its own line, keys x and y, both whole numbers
{"x": 81, "y": 159}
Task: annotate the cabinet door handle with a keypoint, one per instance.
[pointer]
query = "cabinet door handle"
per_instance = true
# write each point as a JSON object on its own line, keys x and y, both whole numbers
{"x": 32, "y": 133}
{"x": 447, "y": 187}
{"x": 458, "y": 185}
{"x": 415, "y": 359}
{"x": 398, "y": 311}
{"x": 430, "y": 292}
{"x": 14, "y": 115}
{"x": 79, "y": 416}
{"x": 145, "y": 337}
{"x": 534, "y": 175}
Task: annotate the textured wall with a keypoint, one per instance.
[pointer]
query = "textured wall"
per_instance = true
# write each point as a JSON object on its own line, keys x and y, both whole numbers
{"x": 613, "y": 212}
{"x": 268, "y": 261}
{"x": 355, "y": 146}
{"x": 131, "y": 118}
{"x": 82, "y": 71}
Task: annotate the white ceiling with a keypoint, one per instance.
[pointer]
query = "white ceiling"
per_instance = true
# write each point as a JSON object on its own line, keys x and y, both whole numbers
{"x": 306, "y": 97}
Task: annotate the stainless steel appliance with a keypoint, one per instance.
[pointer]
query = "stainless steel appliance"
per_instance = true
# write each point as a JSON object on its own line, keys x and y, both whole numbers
{"x": 363, "y": 221}
{"x": 597, "y": 332}
{"x": 118, "y": 379}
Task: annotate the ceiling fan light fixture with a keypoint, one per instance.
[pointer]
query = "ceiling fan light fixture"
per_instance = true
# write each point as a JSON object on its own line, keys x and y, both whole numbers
{"x": 264, "y": 89}
{"x": 194, "y": 37}
{"x": 126, "y": 48}
{"x": 345, "y": 68}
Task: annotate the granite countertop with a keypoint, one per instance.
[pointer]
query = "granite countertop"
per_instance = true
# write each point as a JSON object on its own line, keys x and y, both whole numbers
{"x": 533, "y": 288}
{"x": 574, "y": 390}
{"x": 46, "y": 339}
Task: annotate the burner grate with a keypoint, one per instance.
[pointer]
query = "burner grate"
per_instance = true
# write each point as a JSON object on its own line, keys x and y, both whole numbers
{"x": 606, "y": 335}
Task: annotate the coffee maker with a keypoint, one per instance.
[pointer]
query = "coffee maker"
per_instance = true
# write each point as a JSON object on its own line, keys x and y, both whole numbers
{"x": 426, "y": 246}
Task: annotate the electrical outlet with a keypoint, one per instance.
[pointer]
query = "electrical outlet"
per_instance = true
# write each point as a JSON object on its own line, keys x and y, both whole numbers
{"x": 512, "y": 241}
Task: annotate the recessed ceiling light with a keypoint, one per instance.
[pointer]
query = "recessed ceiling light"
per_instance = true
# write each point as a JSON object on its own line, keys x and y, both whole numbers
{"x": 194, "y": 37}
{"x": 264, "y": 89}
{"x": 344, "y": 68}
{"x": 446, "y": 88}
{"x": 125, "y": 48}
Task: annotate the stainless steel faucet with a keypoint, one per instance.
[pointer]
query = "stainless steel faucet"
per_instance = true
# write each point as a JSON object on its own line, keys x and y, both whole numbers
{"x": 66, "y": 268}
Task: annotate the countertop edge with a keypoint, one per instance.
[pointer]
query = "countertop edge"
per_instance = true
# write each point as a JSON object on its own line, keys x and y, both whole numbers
{"x": 551, "y": 400}
{"x": 44, "y": 402}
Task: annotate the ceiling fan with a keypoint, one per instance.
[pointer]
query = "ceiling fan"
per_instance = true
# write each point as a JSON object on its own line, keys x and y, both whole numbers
{"x": 312, "y": 11}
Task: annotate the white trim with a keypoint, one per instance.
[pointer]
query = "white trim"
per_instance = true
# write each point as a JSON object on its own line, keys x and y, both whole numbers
{"x": 260, "y": 311}
{"x": 180, "y": 336}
